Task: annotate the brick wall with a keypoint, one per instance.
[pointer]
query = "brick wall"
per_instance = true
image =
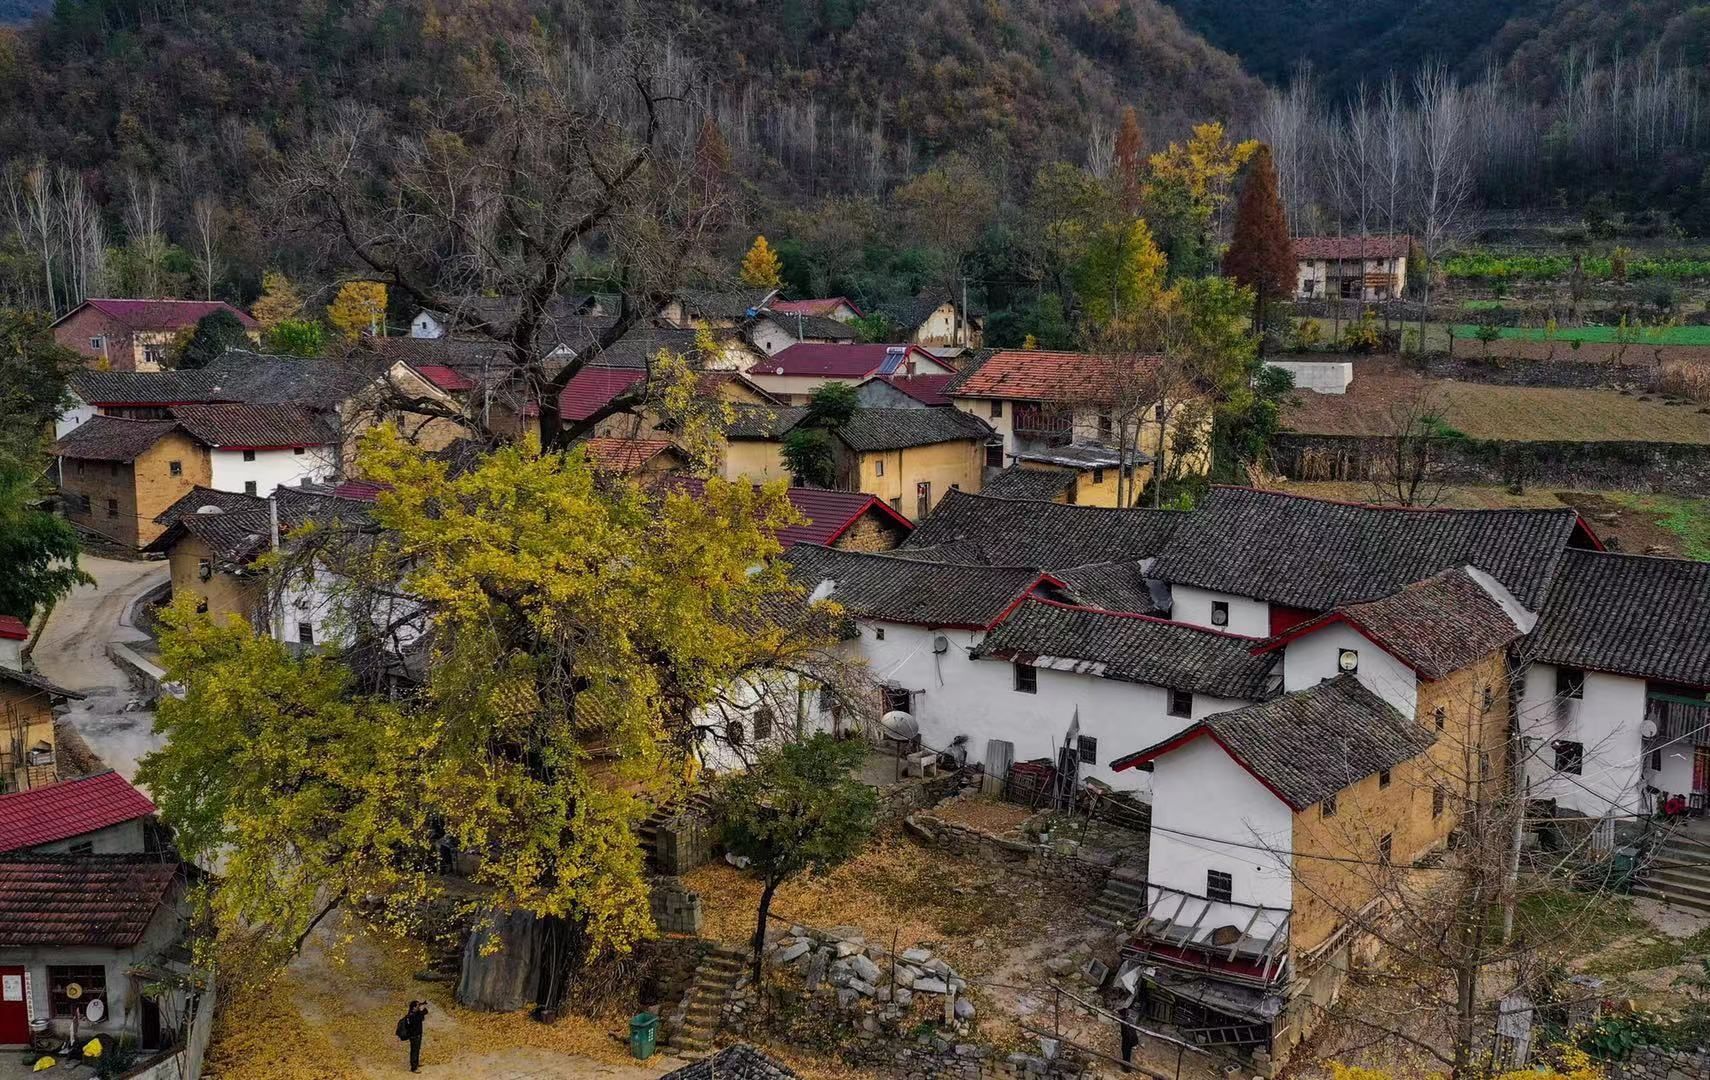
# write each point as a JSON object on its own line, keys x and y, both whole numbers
{"x": 871, "y": 532}
{"x": 81, "y": 326}
{"x": 138, "y": 490}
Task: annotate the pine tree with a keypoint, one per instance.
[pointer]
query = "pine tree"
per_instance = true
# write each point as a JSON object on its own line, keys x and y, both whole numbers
{"x": 1130, "y": 184}
{"x": 760, "y": 267}
{"x": 359, "y": 308}
{"x": 1261, "y": 254}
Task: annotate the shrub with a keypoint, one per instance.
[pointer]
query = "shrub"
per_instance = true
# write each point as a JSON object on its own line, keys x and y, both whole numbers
{"x": 1304, "y": 335}
{"x": 1362, "y": 336}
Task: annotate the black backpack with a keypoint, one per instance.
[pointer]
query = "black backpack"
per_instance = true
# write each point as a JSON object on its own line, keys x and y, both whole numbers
{"x": 404, "y": 1028}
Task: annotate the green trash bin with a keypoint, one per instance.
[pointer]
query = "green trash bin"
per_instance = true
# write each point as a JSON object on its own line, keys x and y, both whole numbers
{"x": 643, "y": 1034}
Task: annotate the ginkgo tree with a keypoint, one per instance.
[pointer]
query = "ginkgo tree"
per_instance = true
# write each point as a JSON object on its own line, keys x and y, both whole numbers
{"x": 574, "y": 632}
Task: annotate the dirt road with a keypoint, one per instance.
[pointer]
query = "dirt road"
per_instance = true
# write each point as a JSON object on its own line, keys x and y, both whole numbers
{"x": 72, "y": 651}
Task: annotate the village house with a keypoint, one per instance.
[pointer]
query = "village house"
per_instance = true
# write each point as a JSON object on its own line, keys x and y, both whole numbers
{"x": 840, "y": 308}
{"x": 1081, "y": 474}
{"x": 904, "y": 391}
{"x": 754, "y": 442}
{"x": 980, "y": 528}
{"x": 210, "y": 539}
{"x": 714, "y": 309}
{"x": 1259, "y": 562}
{"x": 256, "y": 448}
{"x": 28, "y": 757}
{"x": 1038, "y": 401}
{"x": 773, "y": 331}
{"x": 932, "y": 318}
{"x": 116, "y": 475}
{"x": 796, "y": 372}
{"x": 641, "y": 459}
{"x": 844, "y": 520}
{"x": 1615, "y": 709}
{"x": 570, "y": 322}
{"x": 594, "y": 387}
{"x": 136, "y": 335}
{"x": 1351, "y": 267}
{"x": 911, "y": 458}
{"x": 98, "y": 814}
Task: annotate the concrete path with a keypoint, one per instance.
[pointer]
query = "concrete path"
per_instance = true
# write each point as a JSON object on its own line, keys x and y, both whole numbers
{"x": 72, "y": 651}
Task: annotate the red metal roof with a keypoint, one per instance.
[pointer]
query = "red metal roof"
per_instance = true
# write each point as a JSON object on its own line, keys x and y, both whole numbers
{"x": 823, "y": 306}
{"x": 624, "y": 455}
{"x": 165, "y": 314}
{"x": 13, "y": 627}
{"x": 68, "y": 808}
{"x": 1039, "y": 375}
{"x": 926, "y": 389}
{"x": 842, "y": 361}
{"x": 444, "y": 377}
{"x": 108, "y": 900}
{"x": 1351, "y": 247}
{"x": 592, "y": 388}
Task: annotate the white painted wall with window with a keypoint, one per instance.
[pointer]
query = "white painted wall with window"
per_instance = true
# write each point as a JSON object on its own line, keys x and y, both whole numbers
{"x": 1220, "y": 611}
{"x": 1596, "y": 721}
{"x": 1311, "y": 658}
{"x": 258, "y": 472}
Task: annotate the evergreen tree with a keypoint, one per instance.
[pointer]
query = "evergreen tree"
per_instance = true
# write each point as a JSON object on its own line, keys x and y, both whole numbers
{"x": 215, "y": 332}
{"x": 760, "y": 267}
{"x": 1261, "y": 254}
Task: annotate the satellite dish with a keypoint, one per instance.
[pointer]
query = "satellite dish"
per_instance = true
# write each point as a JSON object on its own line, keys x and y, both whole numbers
{"x": 95, "y": 1010}
{"x": 73, "y": 991}
{"x": 210, "y": 509}
{"x": 1649, "y": 729}
{"x": 899, "y": 725}
{"x": 940, "y": 644}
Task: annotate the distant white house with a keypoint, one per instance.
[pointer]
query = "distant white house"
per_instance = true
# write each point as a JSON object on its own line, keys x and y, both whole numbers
{"x": 1351, "y": 267}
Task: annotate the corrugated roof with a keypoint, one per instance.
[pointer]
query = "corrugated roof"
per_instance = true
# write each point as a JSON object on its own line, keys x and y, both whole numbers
{"x": 1311, "y": 744}
{"x": 60, "y": 811}
{"x": 82, "y": 900}
{"x": 1634, "y": 615}
{"x": 1131, "y": 648}
{"x": 593, "y": 388}
{"x": 1053, "y": 536}
{"x": 1316, "y": 554}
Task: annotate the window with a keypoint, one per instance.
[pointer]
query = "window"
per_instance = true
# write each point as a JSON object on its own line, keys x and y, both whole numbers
{"x": 1181, "y": 703}
{"x": 80, "y": 468}
{"x": 1489, "y": 699}
{"x": 896, "y": 699}
{"x": 878, "y": 466}
{"x": 82, "y": 847}
{"x": 1158, "y": 412}
{"x": 306, "y": 633}
{"x": 762, "y": 723}
{"x": 175, "y": 468}
{"x": 878, "y": 633}
{"x": 97, "y": 343}
{"x": 1327, "y": 808}
{"x": 1087, "y": 747}
{"x": 1106, "y": 427}
{"x": 299, "y": 450}
{"x": 1385, "y": 848}
{"x": 733, "y": 732}
{"x": 1219, "y": 887}
{"x": 91, "y": 978}
{"x": 1656, "y": 760}
{"x": 1438, "y": 717}
{"x": 249, "y": 455}
{"x": 997, "y": 408}
{"x": 1026, "y": 679}
{"x": 112, "y": 508}
{"x": 1098, "y": 476}
{"x": 1570, "y": 756}
{"x": 249, "y": 487}
{"x": 1382, "y": 779}
{"x": 204, "y": 569}
{"x": 994, "y": 455}
{"x": 154, "y": 354}
{"x": 1438, "y": 799}
{"x": 922, "y": 499}
{"x": 1570, "y": 683}
{"x": 896, "y": 504}
{"x": 1220, "y": 613}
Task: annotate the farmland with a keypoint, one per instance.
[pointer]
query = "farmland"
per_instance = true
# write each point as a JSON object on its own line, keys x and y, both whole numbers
{"x": 1637, "y": 335}
{"x": 1493, "y": 267}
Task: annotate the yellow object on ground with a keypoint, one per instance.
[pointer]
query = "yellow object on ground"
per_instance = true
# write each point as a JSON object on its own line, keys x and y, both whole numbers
{"x": 44, "y": 1062}
{"x": 92, "y": 1048}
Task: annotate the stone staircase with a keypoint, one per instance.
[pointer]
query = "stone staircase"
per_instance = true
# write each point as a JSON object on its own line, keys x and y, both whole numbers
{"x": 648, "y": 831}
{"x": 690, "y": 1027}
{"x": 1679, "y": 873}
{"x": 1122, "y": 901}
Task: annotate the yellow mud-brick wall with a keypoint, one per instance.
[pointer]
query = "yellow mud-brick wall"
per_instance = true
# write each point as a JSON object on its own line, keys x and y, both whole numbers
{"x": 754, "y": 460}
{"x": 225, "y": 594}
{"x": 139, "y": 489}
{"x": 26, "y": 720}
{"x": 1471, "y": 727}
{"x": 892, "y": 475}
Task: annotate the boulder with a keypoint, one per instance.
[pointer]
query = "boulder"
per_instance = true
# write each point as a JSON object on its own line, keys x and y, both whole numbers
{"x": 865, "y": 989}
{"x": 903, "y": 997}
{"x": 967, "y": 1050}
{"x": 864, "y": 969}
{"x": 1060, "y": 965}
{"x": 846, "y": 998}
{"x": 917, "y": 955}
{"x": 848, "y": 948}
{"x": 792, "y": 951}
{"x": 932, "y": 986}
{"x": 816, "y": 971}
{"x": 964, "y": 1009}
{"x": 939, "y": 967}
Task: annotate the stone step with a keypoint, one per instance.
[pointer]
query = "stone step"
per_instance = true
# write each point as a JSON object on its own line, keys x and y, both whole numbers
{"x": 1669, "y": 882}
{"x": 1671, "y": 899}
{"x": 1124, "y": 886}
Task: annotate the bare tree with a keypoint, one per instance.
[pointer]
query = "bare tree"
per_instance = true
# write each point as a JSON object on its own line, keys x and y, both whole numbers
{"x": 1408, "y": 468}
{"x": 1444, "y": 171}
{"x": 146, "y": 233}
{"x": 204, "y": 222}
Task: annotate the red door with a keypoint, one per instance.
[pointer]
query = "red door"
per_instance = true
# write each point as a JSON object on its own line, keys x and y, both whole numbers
{"x": 14, "y": 1012}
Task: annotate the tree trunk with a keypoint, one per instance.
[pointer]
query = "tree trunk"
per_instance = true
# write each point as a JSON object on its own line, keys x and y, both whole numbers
{"x": 760, "y": 926}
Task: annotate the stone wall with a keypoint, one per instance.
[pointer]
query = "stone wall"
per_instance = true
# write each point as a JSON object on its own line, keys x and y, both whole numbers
{"x": 676, "y": 908}
{"x": 1057, "y": 862}
{"x": 1656, "y": 1063}
{"x": 684, "y": 842}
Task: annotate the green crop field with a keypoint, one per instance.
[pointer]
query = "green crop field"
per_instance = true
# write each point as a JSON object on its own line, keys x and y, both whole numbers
{"x": 1488, "y": 266}
{"x": 1641, "y": 335}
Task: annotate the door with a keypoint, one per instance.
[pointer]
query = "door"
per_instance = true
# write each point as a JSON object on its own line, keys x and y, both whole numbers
{"x": 14, "y": 1010}
{"x": 148, "y": 1035}
{"x": 923, "y": 499}
{"x": 1701, "y": 768}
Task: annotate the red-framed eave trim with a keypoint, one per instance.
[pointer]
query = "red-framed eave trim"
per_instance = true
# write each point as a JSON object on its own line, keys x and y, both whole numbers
{"x": 1182, "y": 738}
{"x": 1326, "y": 619}
{"x": 1001, "y": 616}
{"x": 259, "y": 446}
{"x": 873, "y": 501}
{"x": 1147, "y": 618}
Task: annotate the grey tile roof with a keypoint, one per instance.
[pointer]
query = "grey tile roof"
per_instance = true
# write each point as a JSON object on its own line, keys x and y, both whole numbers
{"x": 1312, "y": 743}
{"x": 1436, "y": 626}
{"x": 1632, "y": 615}
{"x": 724, "y": 303}
{"x": 1131, "y": 648}
{"x": 906, "y": 591}
{"x": 810, "y": 327}
{"x": 1316, "y": 554}
{"x": 112, "y": 438}
{"x": 908, "y": 314}
{"x": 740, "y": 1062}
{"x": 1114, "y": 586}
{"x": 314, "y": 382}
{"x": 1048, "y": 535}
{"x": 36, "y": 682}
{"x": 898, "y": 429}
{"x": 246, "y": 425}
{"x": 1041, "y": 485}
{"x": 145, "y": 387}
{"x": 1088, "y": 455}
{"x": 199, "y": 496}
{"x": 637, "y": 348}
{"x": 763, "y": 421}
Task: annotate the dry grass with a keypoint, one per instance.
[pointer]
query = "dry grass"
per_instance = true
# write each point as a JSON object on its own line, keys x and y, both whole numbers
{"x": 1686, "y": 377}
{"x": 987, "y": 814}
{"x": 1504, "y": 413}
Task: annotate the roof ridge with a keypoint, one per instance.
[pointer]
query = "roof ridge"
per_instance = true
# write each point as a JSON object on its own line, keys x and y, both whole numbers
{"x": 889, "y": 557}
{"x": 1091, "y": 610}
{"x": 1275, "y": 493}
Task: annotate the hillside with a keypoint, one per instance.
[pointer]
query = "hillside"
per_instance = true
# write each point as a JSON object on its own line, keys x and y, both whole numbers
{"x": 222, "y": 86}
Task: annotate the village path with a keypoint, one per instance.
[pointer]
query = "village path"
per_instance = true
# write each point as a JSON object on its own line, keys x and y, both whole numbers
{"x": 71, "y": 650}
